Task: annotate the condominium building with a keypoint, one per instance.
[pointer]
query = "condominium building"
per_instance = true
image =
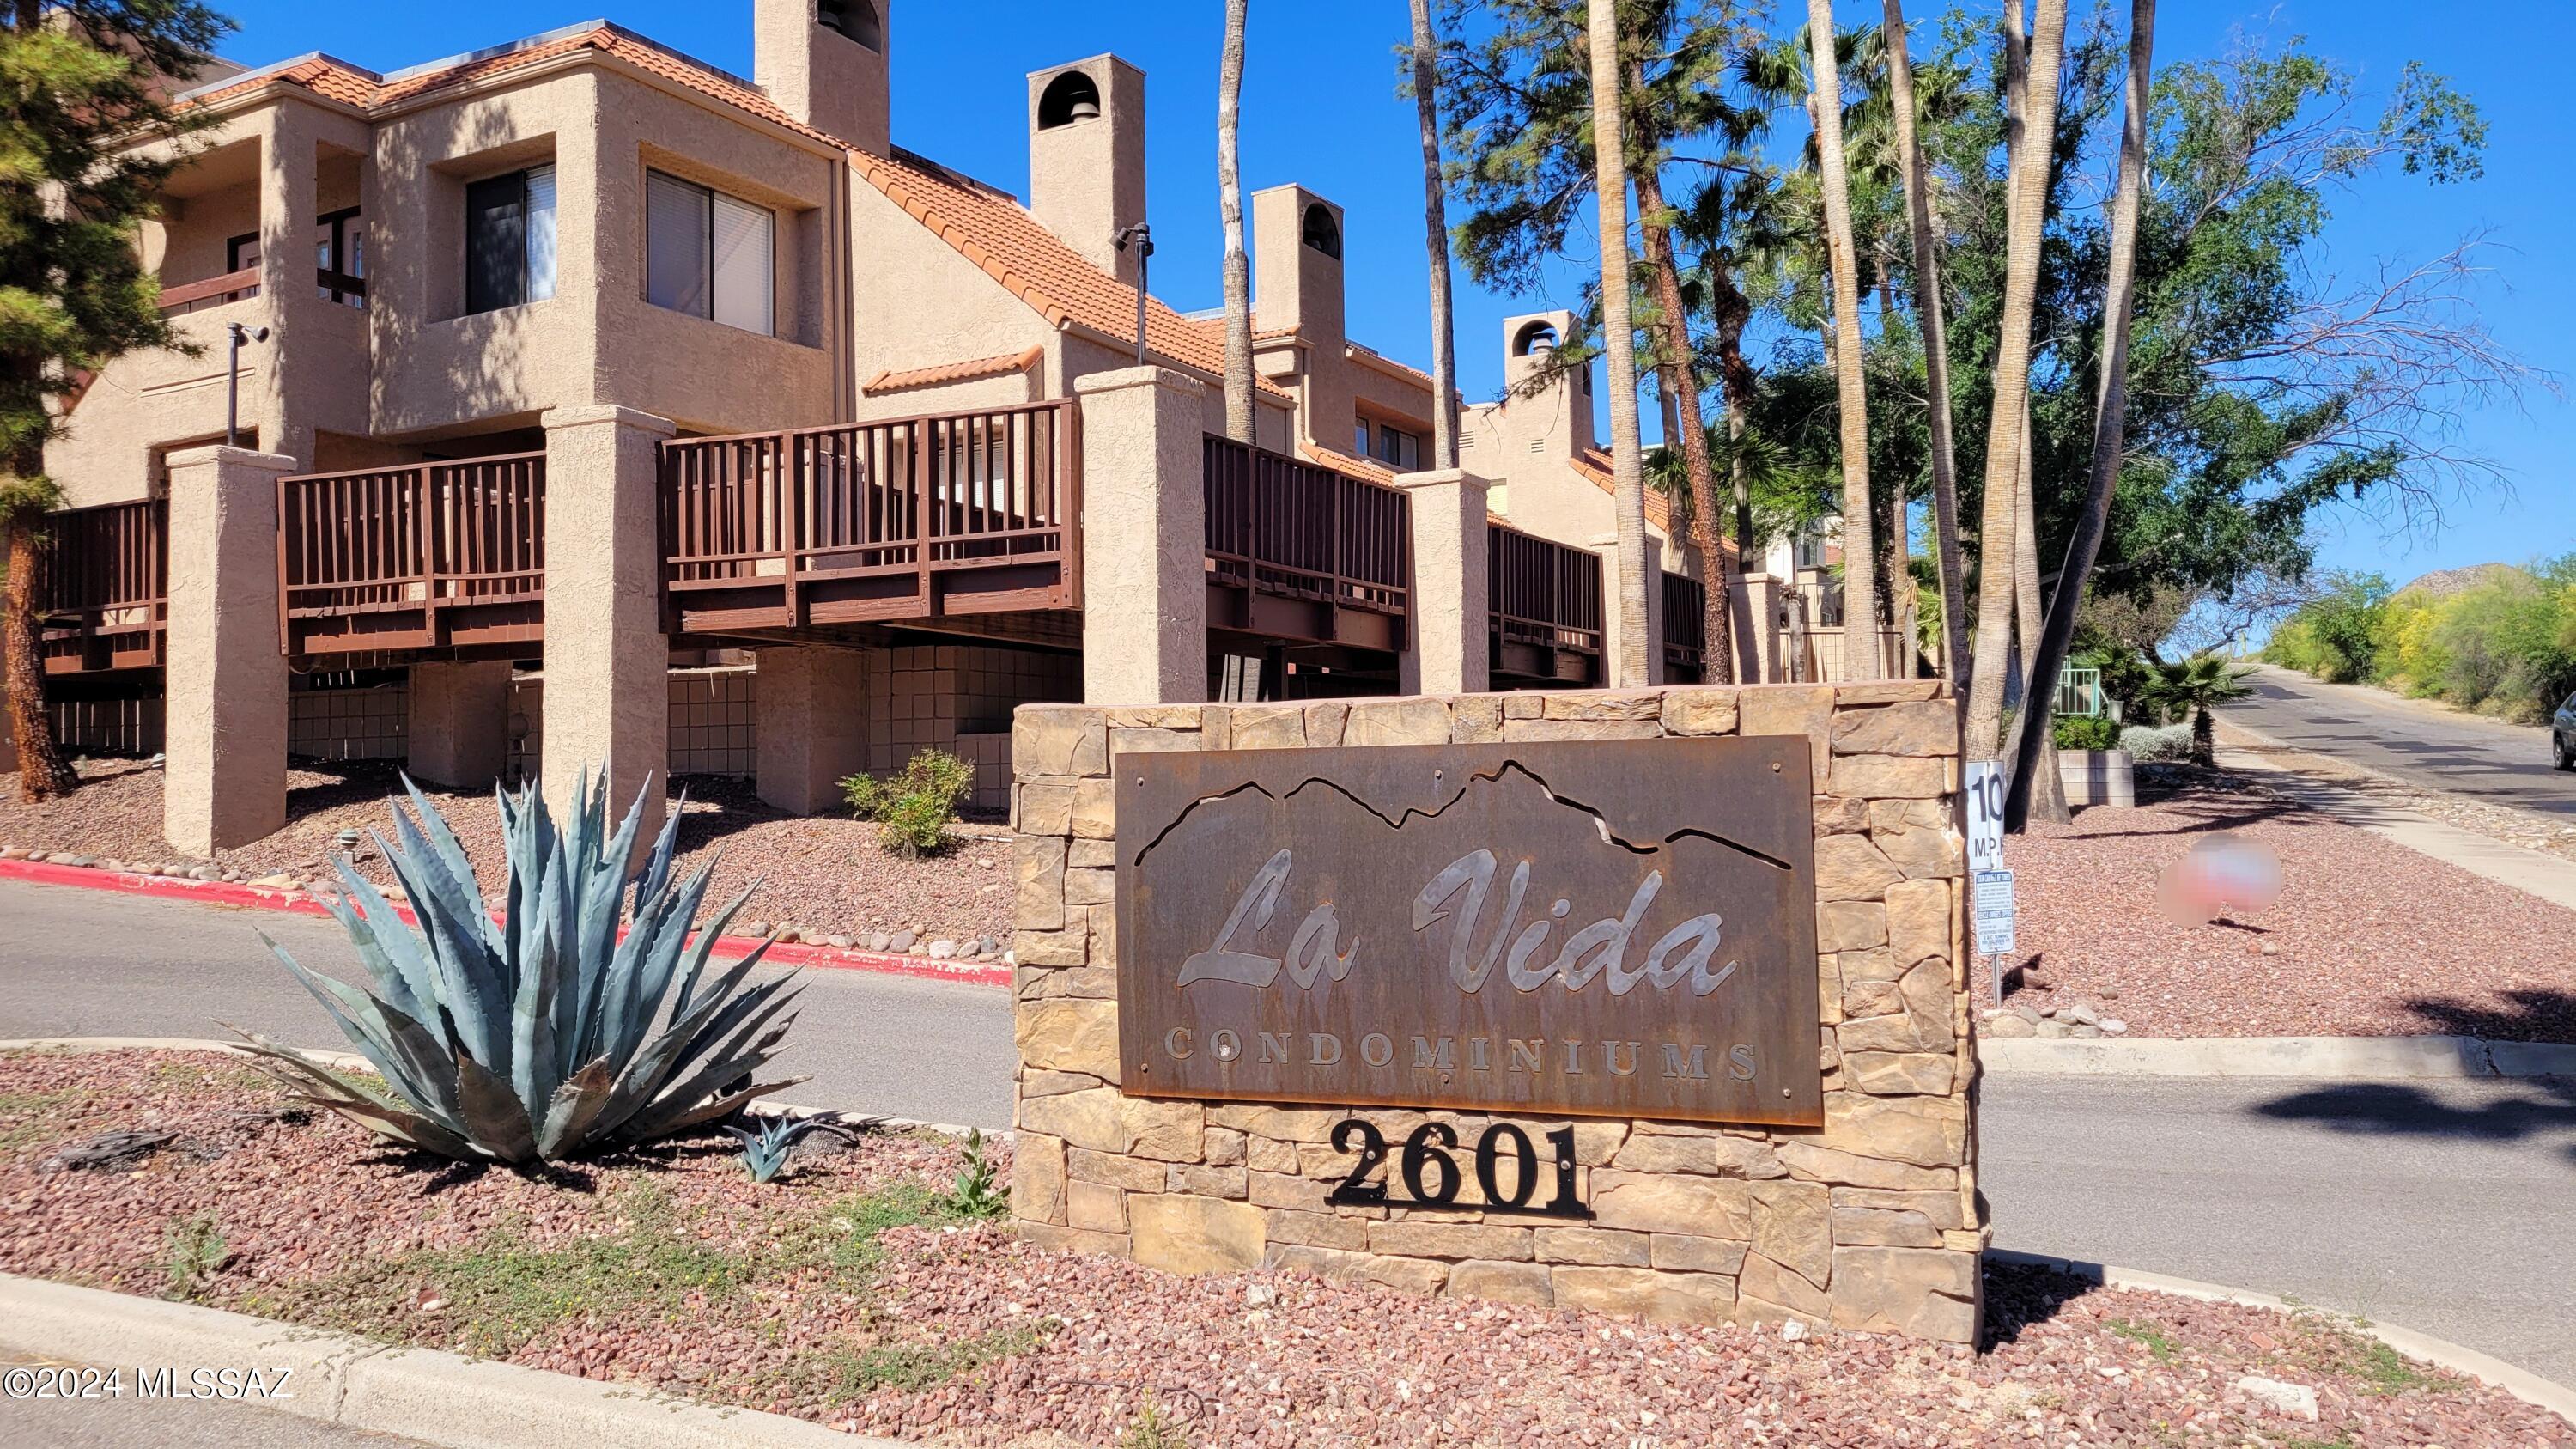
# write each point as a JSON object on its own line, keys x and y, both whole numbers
{"x": 592, "y": 404}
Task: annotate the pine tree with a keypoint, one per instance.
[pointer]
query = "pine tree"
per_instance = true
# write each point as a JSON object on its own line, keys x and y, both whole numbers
{"x": 81, "y": 82}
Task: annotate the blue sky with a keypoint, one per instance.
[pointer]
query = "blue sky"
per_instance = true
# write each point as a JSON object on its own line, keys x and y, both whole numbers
{"x": 1320, "y": 108}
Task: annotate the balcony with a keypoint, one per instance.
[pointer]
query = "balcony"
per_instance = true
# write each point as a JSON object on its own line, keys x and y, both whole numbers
{"x": 447, "y": 556}
{"x": 1544, "y": 610}
{"x": 913, "y": 519}
{"x": 102, "y": 588}
{"x": 1302, "y": 554}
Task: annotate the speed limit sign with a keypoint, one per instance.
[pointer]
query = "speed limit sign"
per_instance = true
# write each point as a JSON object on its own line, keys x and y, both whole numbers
{"x": 1984, "y": 788}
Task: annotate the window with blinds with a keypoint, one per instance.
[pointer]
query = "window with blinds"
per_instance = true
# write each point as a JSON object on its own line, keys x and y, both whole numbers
{"x": 708, "y": 254}
{"x": 510, "y": 239}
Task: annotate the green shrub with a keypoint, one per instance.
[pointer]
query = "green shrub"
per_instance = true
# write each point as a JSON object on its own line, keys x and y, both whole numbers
{"x": 2087, "y": 732}
{"x": 979, "y": 1193}
{"x": 2149, "y": 744}
{"x": 914, "y": 808}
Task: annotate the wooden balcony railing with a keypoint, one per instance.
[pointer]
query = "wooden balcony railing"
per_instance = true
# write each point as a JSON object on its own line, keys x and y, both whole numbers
{"x": 1299, "y": 552}
{"x": 212, "y": 292}
{"x": 911, "y": 518}
{"x": 1685, "y": 627}
{"x": 429, "y": 556}
{"x": 102, "y": 587}
{"x": 1545, "y": 608}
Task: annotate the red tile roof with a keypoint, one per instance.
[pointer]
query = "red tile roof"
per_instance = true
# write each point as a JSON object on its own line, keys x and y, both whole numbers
{"x": 945, "y": 372}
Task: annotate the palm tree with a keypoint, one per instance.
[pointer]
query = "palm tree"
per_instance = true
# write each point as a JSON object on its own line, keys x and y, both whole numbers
{"x": 2110, "y": 417}
{"x": 2027, "y": 175}
{"x": 1435, "y": 238}
{"x": 2199, "y": 684}
{"x": 1238, "y": 267}
{"x": 1936, "y": 350}
{"x": 1677, "y": 369}
{"x": 1825, "y": 105}
{"x": 1634, "y": 661}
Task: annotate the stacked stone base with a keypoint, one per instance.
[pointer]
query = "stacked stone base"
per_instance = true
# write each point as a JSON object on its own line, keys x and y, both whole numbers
{"x": 1869, "y": 1222}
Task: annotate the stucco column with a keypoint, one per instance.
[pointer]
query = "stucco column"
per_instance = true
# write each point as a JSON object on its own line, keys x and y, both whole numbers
{"x": 1144, "y": 537}
{"x": 1607, "y": 545}
{"x": 1753, "y": 601}
{"x": 225, "y": 780}
{"x": 811, "y": 705}
{"x": 1449, "y": 589}
{"x": 607, "y": 661}
{"x": 460, "y": 722}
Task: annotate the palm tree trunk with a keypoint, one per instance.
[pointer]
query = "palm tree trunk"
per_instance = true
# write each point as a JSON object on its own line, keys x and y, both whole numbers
{"x": 2028, "y": 172}
{"x": 1681, "y": 381}
{"x": 2110, "y": 416}
{"x": 1860, "y": 603}
{"x": 2039, "y": 690}
{"x": 1936, "y": 357}
{"x": 1238, "y": 266}
{"x": 1634, "y": 666}
{"x": 43, "y": 772}
{"x": 1435, "y": 238}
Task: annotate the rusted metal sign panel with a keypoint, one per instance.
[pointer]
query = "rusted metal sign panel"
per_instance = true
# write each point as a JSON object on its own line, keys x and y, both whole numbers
{"x": 1621, "y": 928}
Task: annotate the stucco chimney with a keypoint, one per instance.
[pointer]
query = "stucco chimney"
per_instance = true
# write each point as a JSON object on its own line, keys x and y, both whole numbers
{"x": 1555, "y": 420}
{"x": 1297, "y": 282}
{"x": 824, "y": 62}
{"x": 1087, "y": 156}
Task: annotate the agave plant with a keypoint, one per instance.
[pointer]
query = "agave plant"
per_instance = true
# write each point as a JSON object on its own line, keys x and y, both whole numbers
{"x": 544, "y": 1035}
{"x": 765, "y": 1152}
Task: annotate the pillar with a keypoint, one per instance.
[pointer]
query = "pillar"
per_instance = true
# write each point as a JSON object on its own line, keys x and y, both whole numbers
{"x": 1607, "y": 545}
{"x": 460, "y": 722}
{"x": 607, "y": 661}
{"x": 224, "y": 784}
{"x": 1753, "y": 601}
{"x": 811, "y": 703}
{"x": 1144, "y": 537}
{"x": 1449, "y": 586}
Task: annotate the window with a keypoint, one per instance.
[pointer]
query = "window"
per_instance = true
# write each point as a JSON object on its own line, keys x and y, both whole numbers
{"x": 340, "y": 257}
{"x": 241, "y": 253}
{"x": 1396, "y": 448}
{"x": 510, "y": 239}
{"x": 707, "y": 254}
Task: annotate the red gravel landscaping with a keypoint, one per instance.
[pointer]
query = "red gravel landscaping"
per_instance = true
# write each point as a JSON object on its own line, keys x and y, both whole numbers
{"x": 845, "y": 1294}
{"x": 2368, "y": 938}
{"x": 822, "y": 873}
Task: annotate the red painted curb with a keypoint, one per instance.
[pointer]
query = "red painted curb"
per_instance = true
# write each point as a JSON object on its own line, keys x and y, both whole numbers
{"x": 300, "y": 903}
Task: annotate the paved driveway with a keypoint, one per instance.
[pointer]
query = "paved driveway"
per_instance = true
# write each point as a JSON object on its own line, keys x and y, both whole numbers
{"x": 2415, "y": 741}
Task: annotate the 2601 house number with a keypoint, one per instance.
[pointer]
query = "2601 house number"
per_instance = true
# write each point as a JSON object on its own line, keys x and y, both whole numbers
{"x": 1432, "y": 1178}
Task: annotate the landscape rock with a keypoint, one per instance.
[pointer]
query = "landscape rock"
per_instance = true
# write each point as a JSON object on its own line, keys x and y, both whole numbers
{"x": 2296, "y": 1400}
{"x": 942, "y": 949}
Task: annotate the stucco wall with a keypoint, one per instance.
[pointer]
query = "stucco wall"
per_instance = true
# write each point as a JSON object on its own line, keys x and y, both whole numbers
{"x": 1870, "y": 1222}
{"x": 917, "y": 303}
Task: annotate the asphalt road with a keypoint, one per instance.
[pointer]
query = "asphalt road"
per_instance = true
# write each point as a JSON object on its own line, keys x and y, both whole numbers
{"x": 2441, "y": 1206}
{"x": 124, "y": 1421}
{"x": 2418, "y": 742}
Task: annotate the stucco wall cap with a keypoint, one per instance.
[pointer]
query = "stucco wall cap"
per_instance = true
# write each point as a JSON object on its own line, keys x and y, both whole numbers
{"x": 591, "y": 414}
{"x": 1123, "y": 378}
{"x": 222, "y": 456}
{"x": 1437, "y": 477}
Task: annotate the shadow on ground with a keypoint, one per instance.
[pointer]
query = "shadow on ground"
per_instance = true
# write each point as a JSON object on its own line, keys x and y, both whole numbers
{"x": 2539, "y": 1109}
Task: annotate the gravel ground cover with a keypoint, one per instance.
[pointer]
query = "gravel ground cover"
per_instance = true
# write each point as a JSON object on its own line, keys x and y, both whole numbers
{"x": 846, "y": 1295}
{"x": 824, "y": 874}
{"x": 2368, "y": 937}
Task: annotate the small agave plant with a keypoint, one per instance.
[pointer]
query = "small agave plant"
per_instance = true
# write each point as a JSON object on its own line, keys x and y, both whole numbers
{"x": 765, "y": 1151}
{"x": 544, "y": 1036}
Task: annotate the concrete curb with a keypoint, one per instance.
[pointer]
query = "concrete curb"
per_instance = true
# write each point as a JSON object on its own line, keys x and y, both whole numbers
{"x": 2319, "y": 1058}
{"x": 2523, "y": 1384}
{"x": 429, "y": 1395}
{"x": 302, "y": 903}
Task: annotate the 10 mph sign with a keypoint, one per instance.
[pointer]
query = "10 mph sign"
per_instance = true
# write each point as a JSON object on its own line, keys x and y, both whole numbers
{"x": 1984, "y": 787}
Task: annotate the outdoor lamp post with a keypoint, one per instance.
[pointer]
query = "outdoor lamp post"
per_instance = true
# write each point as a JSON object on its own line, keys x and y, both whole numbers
{"x": 232, "y": 380}
{"x": 1143, "y": 238}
